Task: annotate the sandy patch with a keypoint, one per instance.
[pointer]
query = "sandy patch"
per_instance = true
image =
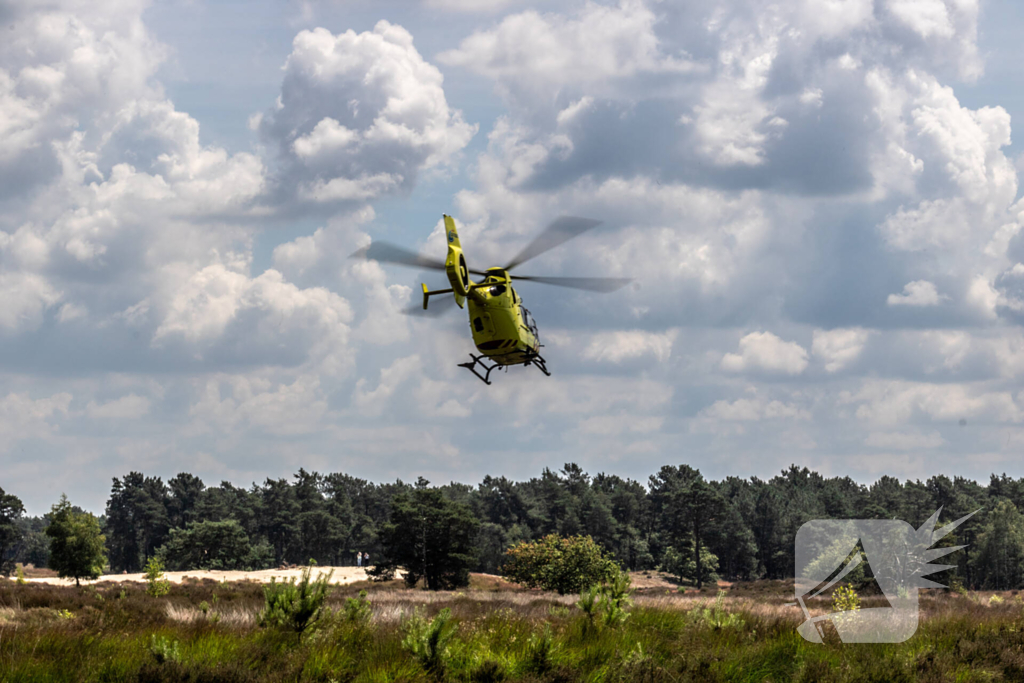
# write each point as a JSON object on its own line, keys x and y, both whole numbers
{"x": 342, "y": 575}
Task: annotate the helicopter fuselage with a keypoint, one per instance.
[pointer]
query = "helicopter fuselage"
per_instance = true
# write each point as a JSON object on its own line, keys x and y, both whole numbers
{"x": 503, "y": 330}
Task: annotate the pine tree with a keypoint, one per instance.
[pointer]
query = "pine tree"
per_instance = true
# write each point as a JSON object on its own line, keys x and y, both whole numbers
{"x": 76, "y": 544}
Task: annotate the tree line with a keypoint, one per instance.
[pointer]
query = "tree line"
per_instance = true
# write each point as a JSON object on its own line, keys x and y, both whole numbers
{"x": 678, "y": 521}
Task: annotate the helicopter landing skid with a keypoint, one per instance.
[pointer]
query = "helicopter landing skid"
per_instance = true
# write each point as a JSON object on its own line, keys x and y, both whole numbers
{"x": 478, "y": 360}
{"x": 539, "y": 361}
{"x": 535, "y": 359}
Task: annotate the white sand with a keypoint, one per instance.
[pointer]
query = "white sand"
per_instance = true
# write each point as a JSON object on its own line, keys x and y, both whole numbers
{"x": 342, "y": 575}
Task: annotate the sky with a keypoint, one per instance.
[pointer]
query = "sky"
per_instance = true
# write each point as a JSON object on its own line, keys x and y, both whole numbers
{"x": 818, "y": 202}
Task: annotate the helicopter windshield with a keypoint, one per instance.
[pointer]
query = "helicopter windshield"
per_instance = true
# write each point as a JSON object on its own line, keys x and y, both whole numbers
{"x": 528, "y": 321}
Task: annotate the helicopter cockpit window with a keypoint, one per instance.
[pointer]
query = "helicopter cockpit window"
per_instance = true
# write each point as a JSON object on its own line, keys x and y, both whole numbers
{"x": 528, "y": 321}
{"x": 497, "y": 290}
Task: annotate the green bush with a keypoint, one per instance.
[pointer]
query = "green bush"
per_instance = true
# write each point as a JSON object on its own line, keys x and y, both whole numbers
{"x": 164, "y": 649}
{"x": 294, "y": 606}
{"x": 540, "y": 650}
{"x": 567, "y": 565}
{"x": 357, "y": 610}
{"x": 158, "y": 585}
{"x": 606, "y": 605}
{"x": 716, "y": 617}
{"x": 428, "y": 640}
{"x": 680, "y": 563}
{"x": 214, "y": 545}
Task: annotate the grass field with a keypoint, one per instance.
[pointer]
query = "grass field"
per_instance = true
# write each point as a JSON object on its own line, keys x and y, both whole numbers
{"x": 208, "y": 631}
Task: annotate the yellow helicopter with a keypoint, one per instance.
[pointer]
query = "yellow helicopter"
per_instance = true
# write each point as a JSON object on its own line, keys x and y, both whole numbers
{"x": 503, "y": 330}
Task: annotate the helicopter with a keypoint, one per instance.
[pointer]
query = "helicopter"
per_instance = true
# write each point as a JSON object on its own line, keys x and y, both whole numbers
{"x": 504, "y": 331}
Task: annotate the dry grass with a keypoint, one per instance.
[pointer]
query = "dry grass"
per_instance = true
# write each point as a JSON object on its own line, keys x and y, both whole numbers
{"x": 107, "y": 632}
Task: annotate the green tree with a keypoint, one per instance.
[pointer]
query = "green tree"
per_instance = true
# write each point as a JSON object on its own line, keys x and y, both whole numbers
{"x": 76, "y": 543}
{"x": 137, "y": 521}
{"x": 278, "y": 512}
{"x": 34, "y": 547}
{"x": 185, "y": 491}
{"x": 11, "y": 510}
{"x": 214, "y": 545}
{"x": 564, "y": 564}
{"x": 688, "y": 505}
{"x": 999, "y": 558}
{"x": 682, "y": 563}
{"x": 431, "y": 537}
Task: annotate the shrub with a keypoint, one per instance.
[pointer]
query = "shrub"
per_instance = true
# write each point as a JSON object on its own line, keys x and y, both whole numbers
{"x": 428, "y": 640}
{"x": 214, "y": 545}
{"x": 607, "y": 605}
{"x": 845, "y": 599}
{"x": 294, "y": 606}
{"x": 164, "y": 649}
{"x": 540, "y": 650}
{"x": 158, "y": 585}
{"x": 357, "y": 609}
{"x": 681, "y": 563}
{"x": 566, "y": 565}
{"x": 715, "y": 616}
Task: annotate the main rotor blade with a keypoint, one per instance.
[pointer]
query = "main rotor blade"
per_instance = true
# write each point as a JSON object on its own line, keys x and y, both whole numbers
{"x": 563, "y": 229}
{"x": 438, "y": 307}
{"x": 385, "y": 252}
{"x": 591, "y": 284}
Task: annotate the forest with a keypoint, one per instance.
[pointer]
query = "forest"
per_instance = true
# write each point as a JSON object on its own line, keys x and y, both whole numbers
{"x": 741, "y": 528}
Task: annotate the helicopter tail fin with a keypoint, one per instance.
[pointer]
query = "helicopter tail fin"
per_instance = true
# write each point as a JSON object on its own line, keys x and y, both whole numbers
{"x": 451, "y": 233}
{"x": 455, "y": 265}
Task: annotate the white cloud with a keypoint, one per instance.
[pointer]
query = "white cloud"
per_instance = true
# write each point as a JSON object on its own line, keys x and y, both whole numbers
{"x": 926, "y": 17}
{"x": 615, "y": 347}
{"x": 23, "y": 417}
{"x": 897, "y": 401}
{"x": 840, "y": 347}
{"x": 533, "y": 55}
{"x": 753, "y": 410}
{"x": 903, "y": 441}
{"x": 127, "y": 407}
{"x": 257, "y": 403}
{"x": 374, "y": 401}
{"x": 763, "y": 351}
{"x": 471, "y": 5}
{"x": 360, "y": 115}
{"x": 917, "y": 293}
{"x": 26, "y": 297}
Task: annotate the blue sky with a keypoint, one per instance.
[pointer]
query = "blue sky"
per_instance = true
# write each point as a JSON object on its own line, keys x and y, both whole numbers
{"x": 818, "y": 199}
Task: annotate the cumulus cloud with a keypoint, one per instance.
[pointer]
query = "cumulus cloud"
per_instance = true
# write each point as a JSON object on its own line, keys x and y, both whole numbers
{"x": 896, "y": 402}
{"x": 22, "y": 416}
{"x": 618, "y": 346}
{"x": 840, "y": 347}
{"x": 127, "y": 407}
{"x": 803, "y": 167}
{"x": 763, "y": 351}
{"x": 904, "y": 441}
{"x": 471, "y": 5}
{"x": 359, "y": 116}
{"x": 754, "y": 409}
{"x": 530, "y": 54}
{"x": 917, "y": 293}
